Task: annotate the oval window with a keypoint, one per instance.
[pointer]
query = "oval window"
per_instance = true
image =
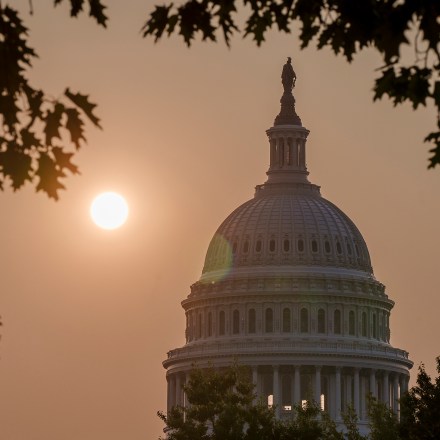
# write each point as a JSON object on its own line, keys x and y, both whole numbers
{"x": 286, "y": 245}
{"x": 327, "y": 247}
{"x": 314, "y": 246}
{"x": 258, "y": 246}
{"x": 272, "y": 245}
{"x": 338, "y": 248}
{"x": 300, "y": 245}
{"x": 246, "y": 247}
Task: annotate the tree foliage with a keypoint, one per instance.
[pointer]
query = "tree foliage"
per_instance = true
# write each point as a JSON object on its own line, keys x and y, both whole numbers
{"x": 39, "y": 134}
{"x": 420, "y": 414}
{"x": 223, "y": 406}
{"x": 345, "y": 26}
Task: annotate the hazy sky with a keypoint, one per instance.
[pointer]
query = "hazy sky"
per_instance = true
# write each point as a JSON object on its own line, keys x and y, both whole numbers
{"x": 90, "y": 314}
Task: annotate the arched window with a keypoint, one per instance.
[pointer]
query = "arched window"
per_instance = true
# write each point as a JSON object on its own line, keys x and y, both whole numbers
{"x": 300, "y": 245}
{"x": 351, "y": 323}
{"x": 199, "y": 326}
{"x": 221, "y": 323}
{"x": 269, "y": 320}
{"x": 304, "y": 321}
{"x": 314, "y": 246}
{"x": 272, "y": 245}
{"x": 258, "y": 246}
{"x": 286, "y": 245}
{"x": 252, "y": 321}
{"x": 364, "y": 324}
{"x": 209, "y": 324}
{"x": 321, "y": 321}
{"x": 374, "y": 326}
{"x": 235, "y": 322}
{"x": 286, "y": 320}
{"x": 337, "y": 319}
{"x": 327, "y": 247}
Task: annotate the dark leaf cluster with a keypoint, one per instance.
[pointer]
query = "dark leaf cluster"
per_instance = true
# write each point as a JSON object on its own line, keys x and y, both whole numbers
{"x": 345, "y": 26}
{"x": 39, "y": 135}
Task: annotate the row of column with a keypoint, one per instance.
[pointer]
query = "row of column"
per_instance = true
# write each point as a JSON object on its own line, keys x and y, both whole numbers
{"x": 331, "y": 387}
{"x": 287, "y": 152}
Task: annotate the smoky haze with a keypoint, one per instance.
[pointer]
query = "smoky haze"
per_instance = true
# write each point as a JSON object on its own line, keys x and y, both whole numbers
{"x": 89, "y": 314}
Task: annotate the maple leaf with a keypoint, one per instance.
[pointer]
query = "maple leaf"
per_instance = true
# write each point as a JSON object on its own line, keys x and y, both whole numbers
{"x": 75, "y": 125}
{"x": 82, "y": 101}
{"x": 17, "y": 166}
{"x": 96, "y": 9}
{"x": 97, "y": 12}
{"x": 62, "y": 160}
{"x": 49, "y": 175}
{"x": 53, "y": 123}
{"x": 28, "y": 139}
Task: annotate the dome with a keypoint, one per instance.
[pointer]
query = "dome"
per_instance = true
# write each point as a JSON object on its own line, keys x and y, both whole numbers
{"x": 287, "y": 228}
{"x": 288, "y": 290}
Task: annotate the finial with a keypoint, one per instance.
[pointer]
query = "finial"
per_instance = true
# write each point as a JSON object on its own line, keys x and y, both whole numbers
{"x": 288, "y": 114}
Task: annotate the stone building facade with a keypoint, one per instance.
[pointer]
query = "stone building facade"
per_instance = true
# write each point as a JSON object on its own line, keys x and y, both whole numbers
{"x": 288, "y": 289}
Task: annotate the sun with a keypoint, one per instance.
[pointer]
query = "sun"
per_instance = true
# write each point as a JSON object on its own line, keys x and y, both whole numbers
{"x": 109, "y": 210}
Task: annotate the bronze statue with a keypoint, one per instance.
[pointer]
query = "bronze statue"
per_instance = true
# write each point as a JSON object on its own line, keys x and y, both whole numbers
{"x": 288, "y": 77}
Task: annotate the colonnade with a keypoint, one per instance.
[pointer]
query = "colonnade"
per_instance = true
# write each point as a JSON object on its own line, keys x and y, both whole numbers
{"x": 333, "y": 388}
{"x": 287, "y": 152}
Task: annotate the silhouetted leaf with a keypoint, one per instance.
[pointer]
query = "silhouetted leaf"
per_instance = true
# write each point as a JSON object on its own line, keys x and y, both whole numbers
{"x": 76, "y": 6}
{"x": 82, "y": 101}
{"x": 29, "y": 139}
{"x": 96, "y": 9}
{"x": 17, "y": 166}
{"x": 75, "y": 126}
{"x": 63, "y": 160}
{"x": 49, "y": 176}
{"x": 53, "y": 123}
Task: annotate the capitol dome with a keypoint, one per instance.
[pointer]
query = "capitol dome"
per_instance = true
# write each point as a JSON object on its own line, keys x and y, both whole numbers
{"x": 288, "y": 289}
{"x": 286, "y": 229}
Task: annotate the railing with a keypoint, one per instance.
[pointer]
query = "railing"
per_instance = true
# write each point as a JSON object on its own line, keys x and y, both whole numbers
{"x": 286, "y": 347}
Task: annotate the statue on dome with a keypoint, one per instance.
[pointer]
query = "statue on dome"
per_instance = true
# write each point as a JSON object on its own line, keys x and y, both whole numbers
{"x": 288, "y": 77}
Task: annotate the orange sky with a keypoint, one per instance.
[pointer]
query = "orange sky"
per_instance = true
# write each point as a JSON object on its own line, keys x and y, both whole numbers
{"x": 89, "y": 314}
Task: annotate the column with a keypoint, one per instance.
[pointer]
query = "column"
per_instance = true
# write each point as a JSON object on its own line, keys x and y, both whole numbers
{"x": 186, "y": 402}
{"x": 276, "y": 390}
{"x": 318, "y": 385}
{"x": 297, "y": 386}
{"x": 363, "y": 394}
{"x": 272, "y": 153}
{"x": 348, "y": 390}
{"x": 357, "y": 406}
{"x": 169, "y": 393}
{"x": 396, "y": 394}
{"x": 338, "y": 393}
{"x": 373, "y": 383}
{"x": 178, "y": 390}
{"x": 386, "y": 389}
{"x": 295, "y": 153}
